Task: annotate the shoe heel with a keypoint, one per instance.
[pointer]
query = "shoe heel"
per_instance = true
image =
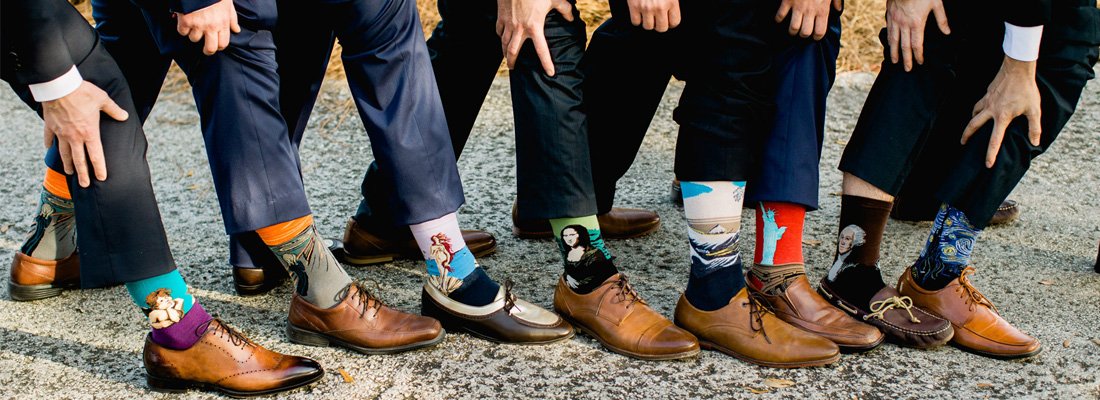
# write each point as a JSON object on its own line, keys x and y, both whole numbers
{"x": 360, "y": 261}
{"x": 169, "y": 385}
{"x": 302, "y": 336}
{"x": 32, "y": 292}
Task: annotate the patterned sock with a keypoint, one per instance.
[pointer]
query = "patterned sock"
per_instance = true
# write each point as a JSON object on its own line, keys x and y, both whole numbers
{"x": 318, "y": 277}
{"x": 451, "y": 266}
{"x": 713, "y": 211}
{"x": 174, "y": 315}
{"x": 778, "y": 256}
{"x": 947, "y": 251}
{"x": 54, "y": 235}
{"x": 588, "y": 263}
{"x": 854, "y": 273}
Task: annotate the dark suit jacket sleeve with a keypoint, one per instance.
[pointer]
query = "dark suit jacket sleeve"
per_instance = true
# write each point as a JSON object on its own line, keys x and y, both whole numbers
{"x": 1026, "y": 13}
{"x": 189, "y": 6}
{"x": 38, "y": 41}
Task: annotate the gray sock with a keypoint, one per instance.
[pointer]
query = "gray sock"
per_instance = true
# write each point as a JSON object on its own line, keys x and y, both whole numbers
{"x": 317, "y": 275}
{"x": 54, "y": 235}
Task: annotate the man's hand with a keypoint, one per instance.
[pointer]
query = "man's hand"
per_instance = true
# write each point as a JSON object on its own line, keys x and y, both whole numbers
{"x": 905, "y": 21}
{"x": 213, "y": 23}
{"x": 1012, "y": 93}
{"x": 654, "y": 15}
{"x": 519, "y": 20}
{"x": 74, "y": 121}
{"x": 808, "y": 17}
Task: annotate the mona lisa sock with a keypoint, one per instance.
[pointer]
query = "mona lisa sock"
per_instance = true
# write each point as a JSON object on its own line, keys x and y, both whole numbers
{"x": 174, "y": 315}
{"x": 778, "y": 256}
{"x": 54, "y": 235}
{"x": 318, "y": 277}
{"x": 588, "y": 263}
{"x": 854, "y": 273}
{"x": 713, "y": 211}
{"x": 451, "y": 266}
{"x": 947, "y": 251}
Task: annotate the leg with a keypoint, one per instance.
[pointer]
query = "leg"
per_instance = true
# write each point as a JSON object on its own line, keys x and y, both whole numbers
{"x": 133, "y": 49}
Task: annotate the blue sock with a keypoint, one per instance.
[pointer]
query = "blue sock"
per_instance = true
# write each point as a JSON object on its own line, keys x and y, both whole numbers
{"x": 947, "y": 252}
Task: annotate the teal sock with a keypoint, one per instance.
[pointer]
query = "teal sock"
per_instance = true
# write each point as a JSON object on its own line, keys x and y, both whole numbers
{"x": 145, "y": 292}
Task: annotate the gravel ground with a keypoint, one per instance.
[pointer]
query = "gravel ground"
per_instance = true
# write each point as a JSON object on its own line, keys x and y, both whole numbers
{"x": 87, "y": 344}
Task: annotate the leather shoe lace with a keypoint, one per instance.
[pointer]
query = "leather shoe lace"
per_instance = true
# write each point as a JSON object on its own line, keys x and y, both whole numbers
{"x": 756, "y": 314}
{"x": 973, "y": 297}
{"x": 223, "y": 330}
{"x": 364, "y": 297}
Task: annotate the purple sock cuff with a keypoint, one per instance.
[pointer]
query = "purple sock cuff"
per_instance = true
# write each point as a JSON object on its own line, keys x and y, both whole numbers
{"x": 182, "y": 335}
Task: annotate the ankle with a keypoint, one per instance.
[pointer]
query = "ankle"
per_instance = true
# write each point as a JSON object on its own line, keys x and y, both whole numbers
{"x": 477, "y": 289}
{"x": 857, "y": 284}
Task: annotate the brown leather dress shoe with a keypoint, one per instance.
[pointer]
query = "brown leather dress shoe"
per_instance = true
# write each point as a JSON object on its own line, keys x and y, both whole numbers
{"x": 36, "y": 279}
{"x": 622, "y": 322}
{"x": 507, "y": 319}
{"x": 360, "y": 322}
{"x": 801, "y": 306}
{"x": 257, "y": 281}
{"x": 362, "y": 247}
{"x": 978, "y": 327}
{"x": 747, "y": 330}
{"x": 226, "y": 361}
{"x": 903, "y": 323}
{"x": 619, "y": 223}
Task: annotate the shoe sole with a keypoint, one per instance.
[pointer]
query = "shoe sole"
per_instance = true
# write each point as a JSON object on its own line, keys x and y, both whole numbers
{"x": 997, "y": 355}
{"x": 647, "y": 357}
{"x": 310, "y": 338}
{"x": 34, "y": 292}
{"x": 453, "y": 324}
{"x": 801, "y": 364}
{"x": 172, "y": 385}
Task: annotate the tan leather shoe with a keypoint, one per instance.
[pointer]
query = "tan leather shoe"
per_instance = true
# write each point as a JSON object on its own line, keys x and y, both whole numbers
{"x": 257, "y": 281}
{"x": 362, "y": 247}
{"x": 36, "y": 279}
{"x": 619, "y": 223}
{"x": 747, "y": 330}
{"x": 978, "y": 327}
{"x": 507, "y": 319}
{"x": 226, "y": 361}
{"x": 903, "y": 323}
{"x": 622, "y": 322}
{"x": 801, "y": 306}
{"x": 362, "y": 323}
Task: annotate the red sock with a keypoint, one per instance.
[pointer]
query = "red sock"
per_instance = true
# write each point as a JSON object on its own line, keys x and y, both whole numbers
{"x": 779, "y": 233}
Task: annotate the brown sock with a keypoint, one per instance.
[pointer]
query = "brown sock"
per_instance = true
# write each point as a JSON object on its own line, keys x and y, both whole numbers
{"x": 854, "y": 273}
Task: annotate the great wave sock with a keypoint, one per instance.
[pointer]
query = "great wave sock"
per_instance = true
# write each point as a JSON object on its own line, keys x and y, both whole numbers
{"x": 947, "y": 251}
{"x": 854, "y": 273}
{"x": 54, "y": 235}
{"x": 588, "y": 263}
{"x": 778, "y": 256}
{"x": 451, "y": 266}
{"x": 174, "y": 315}
{"x": 713, "y": 211}
{"x": 318, "y": 277}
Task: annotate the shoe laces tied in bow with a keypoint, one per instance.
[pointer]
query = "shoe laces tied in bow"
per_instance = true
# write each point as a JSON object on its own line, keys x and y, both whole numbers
{"x": 879, "y": 308}
{"x": 510, "y": 298}
{"x": 971, "y": 294}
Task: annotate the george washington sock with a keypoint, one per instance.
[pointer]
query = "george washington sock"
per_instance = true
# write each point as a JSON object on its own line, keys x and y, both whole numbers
{"x": 588, "y": 263}
{"x": 318, "y": 277}
{"x": 713, "y": 211}
{"x": 947, "y": 251}
{"x": 54, "y": 235}
{"x": 174, "y": 315}
{"x": 778, "y": 256}
{"x": 452, "y": 268}
{"x": 854, "y": 273}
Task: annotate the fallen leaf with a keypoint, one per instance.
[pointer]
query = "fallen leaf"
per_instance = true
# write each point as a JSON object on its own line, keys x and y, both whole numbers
{"x": 346, "y": 375}
{"x": 836, "y": 193}
{"x": 1046, "y": 282}
{"x": 841, "y": 142}
{"x": 757, "y": 391}
{"x": 193, "y": 187}
{"x": 985, "y": 385}
{"x": 189, "y": 173}
{"x": 4, "y": 228}
{"x": 1065, "y": 343}
{"x": 1096, "y": 342}
{"x": 811, "y": 242}
{"x": 778, "y": 383}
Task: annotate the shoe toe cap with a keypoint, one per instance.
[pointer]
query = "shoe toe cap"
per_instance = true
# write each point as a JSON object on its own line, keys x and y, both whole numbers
{"x": 671, "y": 340}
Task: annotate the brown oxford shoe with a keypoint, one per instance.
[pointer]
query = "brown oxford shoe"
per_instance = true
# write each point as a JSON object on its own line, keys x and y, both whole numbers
{"x": 616, "y": 316}
{"x": 257, "y": 281}
{"x": 360, "y": 322}
{"x": 745, "y": 329}
{"x": 226, "y": 361}
{"x": 507, "y": 319}
{"x": 361, "y": 247}
{"x": 36, "y": 279}
{"x": 903, "y": 323}
{"x": 978, "y": 327}
{"x": 619, "y": 223}
{"x": 801, "y": 306}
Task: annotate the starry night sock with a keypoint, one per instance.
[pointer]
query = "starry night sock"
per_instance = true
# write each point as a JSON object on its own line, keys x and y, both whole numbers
{"x": 778, "y": 256}
{"x": 588, "y": 263}
{"x": 174, "y": 315}
{"x": 854, "y": 273}
{"x": 947, "y": 251}
{"x": 452, "y": 268}
{"x": 318, "y": 277}
{"x": 713, "y": 211}
{"x": 54, "y": 235}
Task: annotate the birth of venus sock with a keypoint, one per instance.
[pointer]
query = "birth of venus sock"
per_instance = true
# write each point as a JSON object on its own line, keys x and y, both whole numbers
{"x": 588, "y": 263}
{"x": 174, "y": 315}
{"x": 713, "y": 211}
{"x": 778, "y": 256}
{"x": 947, "y": 251}
{"x": 54, "y": 235}
{"x": 854, "y": 274}
{"x": 318, "y": 278}
{"x": 452, "y": 268}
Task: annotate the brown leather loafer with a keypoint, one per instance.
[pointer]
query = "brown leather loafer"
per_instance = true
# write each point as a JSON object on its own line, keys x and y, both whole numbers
{"x": 257, "y": 281}
{"x": 507, "y": 319}
{"x": 619, "y": 223}
{"x": 903, "y": 323}
{"x": 362, "y": 247}
{"x": 226, "y": 361}
{"x": 747, "y": 330}
{"x": 1008, "y": 211}
{"x": 801, "y": 306}
{"x": 36, "y": 279}
{"x": 360, "y": 322}
{"x": 978, "y": 327}
{"x": 622, "y": 322}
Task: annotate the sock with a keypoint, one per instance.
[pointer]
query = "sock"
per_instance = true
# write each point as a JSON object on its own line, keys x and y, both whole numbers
{"x": 173, "y": 313}
{"x": 778, "y": 256}
{"x": 854, "y": 273}
{"x": 947, "y": 251}
{"x": 318, "y": 277}
{"x": 588, "y": 263}
{"x": 54, "y": 235}
{"x": 451, "y": 266}
{"x": 713, "y": 211}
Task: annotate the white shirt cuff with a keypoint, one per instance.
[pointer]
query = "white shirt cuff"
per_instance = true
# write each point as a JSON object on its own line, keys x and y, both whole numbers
{"x": 57, "y": 88}
{"x": 1022, "y": 43}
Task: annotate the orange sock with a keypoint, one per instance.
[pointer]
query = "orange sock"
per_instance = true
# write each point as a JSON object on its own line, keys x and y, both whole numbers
{"x": 779, "y": 233}
{"x": 56, "y": 184}
{"x": 282, "y": 232}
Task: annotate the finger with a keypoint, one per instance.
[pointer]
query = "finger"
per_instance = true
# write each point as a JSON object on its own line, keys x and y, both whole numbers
{"x": 635, "y": 17}
{"x": 182, "y": 28}
{"x": 515, "y": 43}
{"x": 660, "y": 21}
{"x": 941, "y": 17}
{"x": 1035, "y": 126}
{"x": 95, "y": 157}
{"x": 649, "y": 21}
{"x": 233, "y": 25}
{"x": 543, "y": 52}
{"x": 784, "y": 9}
{"x": 674, "y": 15}
{"x": 223, "y": 40}
{"x": 995, "y": 139}
{"x": 975, "y": 123}
{"x": 566, "y": 10}
{"x": 500, "y": 28}
{"x": 821, "y": 25}
{"x": 195, "y": 35}
{"x": 838, "y": 5}
{"x": 210, "y": 44}
{"x": 47, "y": 136}
{"x": 114, "y": 111}
{"x": 918, "y": 45}
{"x": 906, "y": 50}
{"x": 80, "y": 164}
{"x": 893, "y": 37}
{"x": 796, "y": 23}
{"x": 65, "y": 151}
{"x": 978, "y": 107}
{"x": 807, "y": 26}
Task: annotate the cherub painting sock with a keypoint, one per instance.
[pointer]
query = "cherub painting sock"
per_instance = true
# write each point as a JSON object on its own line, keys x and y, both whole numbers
{"x": 318, "y": 277}
{"x": 778, "y": 256}
{"x": 947, "y": 251}
{"x": 451, "y": 266}
{"x": 173, "y": 314}
{"x": 713, "y": 211}
{"x": 588, "y": 263}
{"x": 54, "y": 235}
